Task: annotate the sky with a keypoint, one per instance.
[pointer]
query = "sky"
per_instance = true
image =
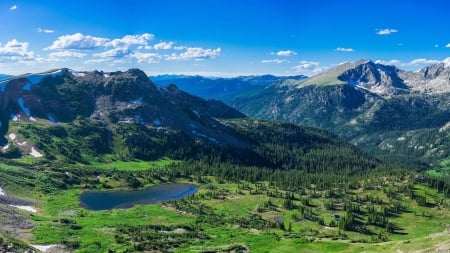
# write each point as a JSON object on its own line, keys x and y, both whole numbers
{"x": 220, "y": 37}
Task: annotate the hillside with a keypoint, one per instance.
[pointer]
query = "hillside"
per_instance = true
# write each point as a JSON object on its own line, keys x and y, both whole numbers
{"x": 396, "y": 114}
{"x": 79, "y": 117}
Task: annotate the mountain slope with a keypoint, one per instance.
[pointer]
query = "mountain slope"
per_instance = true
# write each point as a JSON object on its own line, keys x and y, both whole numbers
{"x": 71, "y": 116}
{"x": 388, "y": 111}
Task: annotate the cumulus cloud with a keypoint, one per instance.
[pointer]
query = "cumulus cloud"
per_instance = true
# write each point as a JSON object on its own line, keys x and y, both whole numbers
{"x": 78, "y": 41}
{"x": 386, "y": 31}
{"x": 179, "y": 47}
{"x": 273, "y": 61}
{"x": 286, "y": 53}
{"x": 40, "y": 30}
{"x": 343, "y": 49}
{"x": 113, "y": 53}
{"x": 308, "y": 67}
{"x": 163, "y": 45}
{"x": 195, "y": 53}
{"x": 131, "y": 40}
{"x": 13, "y": 8}
{"x": 146, "y": 57}
{"x": 16, "y": 51}
{"x": 448, "y": 45}
{"x": 423, "y": 61}
{"x": 66, "y": 54}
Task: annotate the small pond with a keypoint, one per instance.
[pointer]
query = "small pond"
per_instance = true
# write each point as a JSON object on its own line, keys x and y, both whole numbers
{"x": 103, "y": 200}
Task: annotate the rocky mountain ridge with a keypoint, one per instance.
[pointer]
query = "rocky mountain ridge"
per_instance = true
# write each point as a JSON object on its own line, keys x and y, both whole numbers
{"x": 381, "y": 108}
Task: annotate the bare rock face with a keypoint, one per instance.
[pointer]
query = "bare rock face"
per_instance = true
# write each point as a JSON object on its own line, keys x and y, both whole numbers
{"x": 433, "y": 79}
{"x": 376, "y": 78}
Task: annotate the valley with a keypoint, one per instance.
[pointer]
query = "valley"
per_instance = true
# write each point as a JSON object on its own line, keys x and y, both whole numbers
{"x": 260, "y": 182}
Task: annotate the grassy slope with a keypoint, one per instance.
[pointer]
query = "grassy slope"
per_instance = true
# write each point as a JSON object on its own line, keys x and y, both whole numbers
{"x": 97, "y": 228}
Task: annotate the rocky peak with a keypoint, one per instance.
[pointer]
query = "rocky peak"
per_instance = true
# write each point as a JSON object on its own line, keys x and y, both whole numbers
{"x": 432, "y": 79}
{"x": 377, "y": 78}
{"x": 435, "y": 70}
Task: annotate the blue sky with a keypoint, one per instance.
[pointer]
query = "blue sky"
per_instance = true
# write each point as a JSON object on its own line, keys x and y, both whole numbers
{"x": 220, "y": 38}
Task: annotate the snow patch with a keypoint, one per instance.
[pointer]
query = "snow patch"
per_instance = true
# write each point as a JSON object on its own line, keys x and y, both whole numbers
{"x": 32, "y": 119}
{"x": 77, "y": 74}
{"x": 106, "y": 75}
{"x": 353, "y": 122}
{"x": 21, "y": 103}
{"x": 35, "y": 153}
{"x": 50, "y": 117}
{"x": 157, "y": 122}
{"x": 43, "y": 248}
{"x": 199, "y": 134}
{"x": 34, "y": 79}
{"x": 15, "y": 117}
{"x": 445, "y": 127}
{"x": 21, "y": 143}
{"x": 5, "y": 147}
{"x": 196, "y": 113}
{"x": 26, "y": 208}
{"x": 402, "y": 138}
{"x": 12, "y": 136}
{"x": 213, "y": 140}
{"x": 137, "y": 101}
{"x": 2, "y": 192}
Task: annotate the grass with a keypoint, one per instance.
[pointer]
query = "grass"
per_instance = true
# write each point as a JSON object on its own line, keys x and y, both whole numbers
{"x": 62, "y": 220}
{"x": 111, "y": 163}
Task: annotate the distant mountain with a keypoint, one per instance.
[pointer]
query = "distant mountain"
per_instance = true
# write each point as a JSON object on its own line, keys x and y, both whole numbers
{"x": 3, "y": 76}
{"x": 224, "y": 89}
{"x": 397, "y": 114}
{"x": 68, "y": 116}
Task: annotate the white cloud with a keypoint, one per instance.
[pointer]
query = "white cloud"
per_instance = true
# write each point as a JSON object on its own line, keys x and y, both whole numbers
{"x": 448, "y": 45}
{"x": 273, "y": 61}
{"x": 286, "y": 53}
{"x": 40, "y": 30}
{"x": 146, "y": 57}
{"x": 436, "y": 45}
{"x": 343, "y": 49}
{"x": 391, "y": 62}
{"x": 13, "y": 8}
{"x": 131, "y": 40}
{"x": 95, "y": 61}
{"x": 179, "y": 47}
{"x": 386, "y": 31}
{"x": 78, "y": 41}
{"x": 163, "y": 45}
{"x": 195, "y": 53}
{"x": 423, "y": 61}
{"x": 66, "y": 54}
{"x": 113, "y": 53}
{"x": 16, "y": 51}
{"x": 308, "y": 67}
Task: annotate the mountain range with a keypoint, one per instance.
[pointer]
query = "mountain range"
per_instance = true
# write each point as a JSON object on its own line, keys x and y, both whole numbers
{"x": 397, "y": 114}
{"x": 79, "y": 117}
{"x": 224, "y": 89}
